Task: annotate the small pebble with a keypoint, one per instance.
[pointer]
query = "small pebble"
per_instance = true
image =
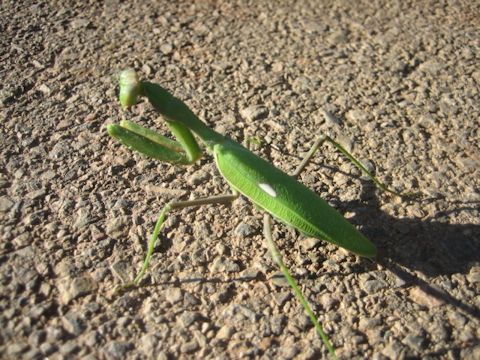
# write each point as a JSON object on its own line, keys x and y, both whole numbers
{"x": 5, "y": 203}
{"x": 244, "y": 230}
{"x": 173, "y": 295}
{"x": 310, "y": 243}
{"x": 187, "y": 318}
{"x": 166, "y": 48}
{"x": 255, "y": 112}
{"x": 73, "y": 323}
{"x": 421, "y": 297}
{"x": 70, "y": 289}
{"x": 223, "y": 264}
{"x": 117, "y": 349}
{"x": 225, "y": 332}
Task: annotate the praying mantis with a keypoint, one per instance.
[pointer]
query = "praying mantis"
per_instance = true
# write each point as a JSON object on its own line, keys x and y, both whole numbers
{"x": 272, "y": 190}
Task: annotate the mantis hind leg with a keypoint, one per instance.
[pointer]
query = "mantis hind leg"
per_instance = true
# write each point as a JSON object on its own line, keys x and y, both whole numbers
{"x": 277, "y": 257}
{"x": 325, "y": 138}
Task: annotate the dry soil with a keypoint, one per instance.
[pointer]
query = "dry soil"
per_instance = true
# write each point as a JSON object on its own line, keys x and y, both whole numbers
{"x": 397, "y": 82}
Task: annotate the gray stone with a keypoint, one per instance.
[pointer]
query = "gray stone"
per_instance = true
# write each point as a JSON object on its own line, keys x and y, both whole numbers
{"x": 415, "y": 342}
{"x": 467, "y": 335}
{"x": 148, "y": 344}
{"x": 473, "y": 276}
{"x": 117, "y": 349}
{"x": 121, "y": 269}
{"x": 302, "y": 84}
{"x": 250, "y": 274}
{"x": 47, "y": 348}
{"x": 222, "y": 249}
{"x": 277, "y": 67}
{"x": 69, "y": 347}
{"x": 3, "y": 182}
{"x": 242, "y": 311}
{"x": 438, "y": 331}
{"x": 330, "y": 119}
{"x": 73, "y": 323}
{"x": 92, "y": 338}
{"x": 37, "y": 337}
{"x": 328, "y": 301}
{"x": 310, "y": 243}
{"x": 457, "y": 320}
{"x": 190, "y": 300}
{"x": 471, "y": 353}
{"x": 33, "y": 354}
{"x": 187, "y": 318}
{"x": 372, "y": 286}
{"x": 70, "y": 289}
{"x": 432, "y": 66}
{"x": 55, "y": 333}
{"x": 282, "y": 297}
{"x": 338, "y": 37}
{"x": 289, "y": 352}
{"x": 225, "y": 332}
{"x": 60, "y": 151}
{"x": 277, "y": 323}
{"x": 22, "y": 239}
{"x": 357, "y": 116}
{"x": 89, "y": 357}
{"x": 367, "y": 324}
{"x": 254, "y": 112}
{"x": 198, "y": 177}
{"x": 64, "y": 269}
{"x": 223, "y": 264}
{"x": 17, "y": 348}
{"x": 174, "y": 295}
{"x": 78, "y": 23}
{"x": 36, "y": 194}
{"x": 189, "y": 347}
{"x": 117, "y": 227}
{"x": 394, "y": 350}
{"x": 424, "y": 298}
{"x": 244, "y": 230}
{"x": 5, "y": 203}
{"x": 166, "y": 48}
{"x": 83, "y": 218}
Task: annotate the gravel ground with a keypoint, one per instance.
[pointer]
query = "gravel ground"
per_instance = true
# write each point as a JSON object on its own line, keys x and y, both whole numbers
{"x": 395, "y": 81}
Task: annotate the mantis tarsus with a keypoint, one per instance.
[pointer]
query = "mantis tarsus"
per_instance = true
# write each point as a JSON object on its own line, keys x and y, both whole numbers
{"x": 269, "y": 188}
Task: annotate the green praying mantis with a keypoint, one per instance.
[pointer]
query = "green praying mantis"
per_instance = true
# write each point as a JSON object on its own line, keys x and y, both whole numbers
{"x": 272, "y": 190}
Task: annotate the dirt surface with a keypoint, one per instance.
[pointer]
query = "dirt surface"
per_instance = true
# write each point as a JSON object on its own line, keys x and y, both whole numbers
{"x": 395, "y": 81}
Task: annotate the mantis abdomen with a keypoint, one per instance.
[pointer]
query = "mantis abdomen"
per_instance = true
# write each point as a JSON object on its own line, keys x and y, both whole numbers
{"x": 285, "y": 198}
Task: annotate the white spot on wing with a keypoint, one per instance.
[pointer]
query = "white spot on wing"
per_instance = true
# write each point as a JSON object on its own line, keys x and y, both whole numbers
{"x": 268, "y": 189}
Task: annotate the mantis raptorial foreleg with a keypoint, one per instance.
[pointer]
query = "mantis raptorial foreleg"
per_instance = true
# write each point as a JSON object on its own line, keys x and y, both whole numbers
{"x": 219, "y": 199}
{"x": 185, "y": 151}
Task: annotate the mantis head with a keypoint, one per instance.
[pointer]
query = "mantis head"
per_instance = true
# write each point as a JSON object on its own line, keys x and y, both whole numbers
{"x": 130, "y": 88}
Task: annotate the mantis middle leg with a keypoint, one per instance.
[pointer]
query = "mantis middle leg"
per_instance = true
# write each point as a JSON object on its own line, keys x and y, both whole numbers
{"x": 219, "y": 199}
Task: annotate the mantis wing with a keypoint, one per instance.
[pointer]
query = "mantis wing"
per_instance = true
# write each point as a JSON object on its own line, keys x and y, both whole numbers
{"x": 287, "y": 199}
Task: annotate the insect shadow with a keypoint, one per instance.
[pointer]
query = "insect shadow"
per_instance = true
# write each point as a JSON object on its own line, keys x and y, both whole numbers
{"x": 430, "y": 246}
{"x": 406, "y": 245}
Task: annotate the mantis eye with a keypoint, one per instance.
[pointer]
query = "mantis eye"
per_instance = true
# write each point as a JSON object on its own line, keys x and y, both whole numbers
{"x": 129, "y": 88}
{"x": 268, "y": 189}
